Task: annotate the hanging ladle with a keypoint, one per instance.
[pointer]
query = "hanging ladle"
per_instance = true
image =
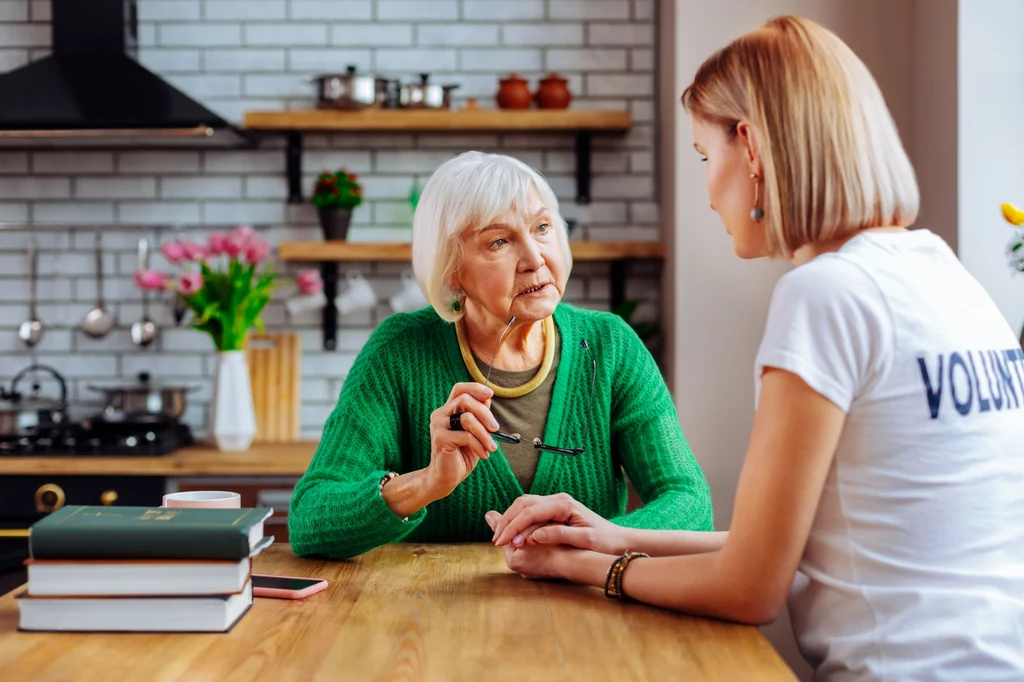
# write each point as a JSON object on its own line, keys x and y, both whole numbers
{"x": 144, "y": 331}
{"x": 31, "y": 330}
{"x": 99, "y": 321}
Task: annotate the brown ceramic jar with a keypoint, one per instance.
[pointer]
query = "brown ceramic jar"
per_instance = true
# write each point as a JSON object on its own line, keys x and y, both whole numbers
{"x": 514, "y": 93}
{"x": 553, "y": 93}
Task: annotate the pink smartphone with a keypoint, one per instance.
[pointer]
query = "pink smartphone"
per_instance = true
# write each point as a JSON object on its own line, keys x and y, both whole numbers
{"x": 286, "y": 587}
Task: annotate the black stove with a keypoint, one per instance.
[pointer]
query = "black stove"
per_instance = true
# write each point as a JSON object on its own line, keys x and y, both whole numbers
{"x": 99, "y": 437}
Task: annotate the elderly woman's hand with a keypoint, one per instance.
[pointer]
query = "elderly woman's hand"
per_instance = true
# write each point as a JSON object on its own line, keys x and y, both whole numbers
{"x": 454, "y": 454}
{"x": 557, "y": 520}
{"x": 534, "y": 563}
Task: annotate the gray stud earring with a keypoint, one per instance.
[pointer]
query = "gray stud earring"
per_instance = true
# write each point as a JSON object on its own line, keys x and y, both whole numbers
{"x": 756, "y": 213}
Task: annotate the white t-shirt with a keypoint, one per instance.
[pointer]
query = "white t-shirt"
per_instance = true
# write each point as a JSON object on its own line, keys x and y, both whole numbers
{"x": 914, "y": 568}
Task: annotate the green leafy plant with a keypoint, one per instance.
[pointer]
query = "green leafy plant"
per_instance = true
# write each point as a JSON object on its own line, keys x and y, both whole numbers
{"x": 226, "y": 284}
{"x": 645, "y": 330}
{"x": 339, "y": 189}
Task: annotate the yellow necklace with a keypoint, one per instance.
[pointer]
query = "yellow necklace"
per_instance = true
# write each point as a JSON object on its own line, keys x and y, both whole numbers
{"x": 518, "y": 391}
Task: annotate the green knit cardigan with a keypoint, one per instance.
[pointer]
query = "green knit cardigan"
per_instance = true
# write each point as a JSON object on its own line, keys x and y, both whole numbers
{"x": 406, "y": 371}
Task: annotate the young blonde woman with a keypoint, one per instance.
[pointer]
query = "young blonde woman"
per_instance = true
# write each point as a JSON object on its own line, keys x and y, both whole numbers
{"x": 883, "y": 488}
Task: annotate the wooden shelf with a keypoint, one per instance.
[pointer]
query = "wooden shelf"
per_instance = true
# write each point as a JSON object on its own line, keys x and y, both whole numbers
{"x": 294, "y": 124}
{"x": 266, "y": 459}
{"x": 438, "y": 120}
{"x": 356, "y": 252}
{"x": 330, "y": 254}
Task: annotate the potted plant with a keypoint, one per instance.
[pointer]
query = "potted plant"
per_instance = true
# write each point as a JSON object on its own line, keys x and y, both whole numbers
{"x": 226, "y": 284}
{"x": 335, "y": 195}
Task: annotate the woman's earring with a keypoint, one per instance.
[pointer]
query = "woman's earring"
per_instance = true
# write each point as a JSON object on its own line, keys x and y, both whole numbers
{"x": 756, "y": 213}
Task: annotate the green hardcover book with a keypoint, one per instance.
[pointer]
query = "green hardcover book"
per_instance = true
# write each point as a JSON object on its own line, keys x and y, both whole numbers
{"x": 91, "y": 532}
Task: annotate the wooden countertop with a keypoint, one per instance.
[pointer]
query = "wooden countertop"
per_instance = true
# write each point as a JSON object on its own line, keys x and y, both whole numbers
{"x": 269, "y": 459}
{"x": 410, "y": 612}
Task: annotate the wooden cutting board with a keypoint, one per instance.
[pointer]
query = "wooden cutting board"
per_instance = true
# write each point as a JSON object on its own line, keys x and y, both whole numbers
{"x": 275, "y": 368}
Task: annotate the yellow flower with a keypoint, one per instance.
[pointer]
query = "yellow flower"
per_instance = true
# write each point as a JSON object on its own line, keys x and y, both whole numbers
{"x": 1013, "y": 215}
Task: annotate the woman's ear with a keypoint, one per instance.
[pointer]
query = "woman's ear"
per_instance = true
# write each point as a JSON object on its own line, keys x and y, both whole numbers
{"x": 747, "y": 137}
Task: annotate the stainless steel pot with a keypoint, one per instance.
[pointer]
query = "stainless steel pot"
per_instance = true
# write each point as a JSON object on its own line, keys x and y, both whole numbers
{"x": 143, "y": 401}
{"x": 21, "y": 413}
{"x": 426, "y": 95}
{"x": 348, "y": 90}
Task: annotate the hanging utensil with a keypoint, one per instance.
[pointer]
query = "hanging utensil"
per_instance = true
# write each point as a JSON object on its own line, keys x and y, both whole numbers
{"x": 144, "y": 331}
{"x": 99, "y": 321}
{"x": 31, "y": 330}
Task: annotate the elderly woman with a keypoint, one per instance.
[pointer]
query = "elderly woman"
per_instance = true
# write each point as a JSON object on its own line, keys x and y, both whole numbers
{"x": 425, "y": 438}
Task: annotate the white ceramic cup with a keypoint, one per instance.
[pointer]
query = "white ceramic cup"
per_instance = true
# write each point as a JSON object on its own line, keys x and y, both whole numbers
{"x": 410, "y": 297}
{"x": 203, "y": 499}
{"x": 301, "y": 303}
{"x": 357, "y": 297}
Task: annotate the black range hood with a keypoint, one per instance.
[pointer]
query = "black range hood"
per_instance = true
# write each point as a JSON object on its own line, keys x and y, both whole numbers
{"x": 91, "y": 91}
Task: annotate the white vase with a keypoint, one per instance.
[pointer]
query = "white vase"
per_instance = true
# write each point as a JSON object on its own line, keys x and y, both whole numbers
{"x": 232, "y": 416}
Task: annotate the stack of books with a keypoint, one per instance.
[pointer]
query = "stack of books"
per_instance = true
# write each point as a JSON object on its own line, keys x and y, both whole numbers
{"x": 141, "y": 569}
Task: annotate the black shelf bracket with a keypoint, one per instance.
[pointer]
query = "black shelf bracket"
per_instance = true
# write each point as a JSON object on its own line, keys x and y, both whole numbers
{"x": 329, "y": 274}
{"x": 618, "y": 281}
{"x": 583, "y": 167}
{"x": 293, "y": 166}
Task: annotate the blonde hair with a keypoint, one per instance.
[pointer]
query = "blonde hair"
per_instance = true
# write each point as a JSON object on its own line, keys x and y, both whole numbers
{"x": 832, "y": 159}
{"x": 472, "y": 190}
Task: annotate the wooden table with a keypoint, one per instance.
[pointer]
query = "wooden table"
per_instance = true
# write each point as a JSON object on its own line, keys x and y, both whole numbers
{"x": 266, "y": 459}
{"x": 410, "y": 612}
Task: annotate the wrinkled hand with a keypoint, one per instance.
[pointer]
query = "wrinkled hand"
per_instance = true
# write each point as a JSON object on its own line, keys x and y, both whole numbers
{"x": 454, "y": 454}
{"x": 557, "y": 520}
{"x": 534, "y": 562}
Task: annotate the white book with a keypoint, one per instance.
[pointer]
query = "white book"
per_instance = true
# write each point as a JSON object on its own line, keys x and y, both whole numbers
{"x": 107, "y": 578}
{"x": 134, "y": 614}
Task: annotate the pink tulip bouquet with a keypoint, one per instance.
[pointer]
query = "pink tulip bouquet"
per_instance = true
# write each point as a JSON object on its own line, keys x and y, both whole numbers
{"x": 226, "y": 283}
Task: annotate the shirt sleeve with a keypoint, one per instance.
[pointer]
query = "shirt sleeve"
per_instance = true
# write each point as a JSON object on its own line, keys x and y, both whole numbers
{"x": 829, "y": 324}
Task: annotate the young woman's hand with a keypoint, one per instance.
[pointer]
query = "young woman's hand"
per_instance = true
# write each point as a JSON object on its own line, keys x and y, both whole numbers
{"x": 557, "y": 520}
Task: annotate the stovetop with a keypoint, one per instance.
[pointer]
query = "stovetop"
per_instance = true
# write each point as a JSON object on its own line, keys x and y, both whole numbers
{"x": 99, "y": 438}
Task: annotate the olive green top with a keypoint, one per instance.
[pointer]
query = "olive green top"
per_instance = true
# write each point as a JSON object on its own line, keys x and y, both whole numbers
{"x": 526, "y": 415}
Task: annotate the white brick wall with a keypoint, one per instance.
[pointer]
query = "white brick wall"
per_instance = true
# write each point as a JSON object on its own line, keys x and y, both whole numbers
{"x": 236, "y": 55}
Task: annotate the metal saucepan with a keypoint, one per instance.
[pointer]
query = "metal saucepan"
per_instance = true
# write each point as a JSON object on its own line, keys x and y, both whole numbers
{"x": 348, "y": 90}
{"x": 426, "y": 95}
{"x": 145, "y": 400}
{"x": 21, "y": 413}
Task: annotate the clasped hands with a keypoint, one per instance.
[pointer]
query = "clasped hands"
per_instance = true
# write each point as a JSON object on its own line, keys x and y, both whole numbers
{"x": 543, "y": 536}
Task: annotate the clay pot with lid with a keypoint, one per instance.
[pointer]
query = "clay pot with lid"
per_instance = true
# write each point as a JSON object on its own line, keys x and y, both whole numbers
{"x": 553, "y": 92}
{"x": 514, "y": 93}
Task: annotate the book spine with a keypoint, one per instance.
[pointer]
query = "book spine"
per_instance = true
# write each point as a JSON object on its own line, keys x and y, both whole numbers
{"x": 138, "y": 543}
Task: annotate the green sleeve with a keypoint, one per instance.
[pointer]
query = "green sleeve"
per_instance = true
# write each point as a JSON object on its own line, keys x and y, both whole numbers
{"x": 337, "y": 511}
{"x": 651, "y": 446}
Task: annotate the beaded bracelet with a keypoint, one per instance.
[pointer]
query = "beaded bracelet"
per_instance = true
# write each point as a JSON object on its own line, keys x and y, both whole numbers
{"x": 384, "y": 481}
{"x": 616, "y": 573}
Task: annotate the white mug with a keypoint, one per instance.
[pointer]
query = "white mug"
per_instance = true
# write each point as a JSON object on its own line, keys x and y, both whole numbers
{"x": 410, "y": 297}
{"x": 357, "y": 297}
{"x": 204, "y": 499}
{"x": 304, "y": 302}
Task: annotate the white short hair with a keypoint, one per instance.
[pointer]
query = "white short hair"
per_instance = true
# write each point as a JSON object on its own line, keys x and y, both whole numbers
{"x": 472, "y": 190}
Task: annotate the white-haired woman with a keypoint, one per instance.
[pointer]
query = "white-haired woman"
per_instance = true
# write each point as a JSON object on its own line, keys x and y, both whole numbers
{"x": 885, "y": 463}
{"x": 497, "y": 390}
